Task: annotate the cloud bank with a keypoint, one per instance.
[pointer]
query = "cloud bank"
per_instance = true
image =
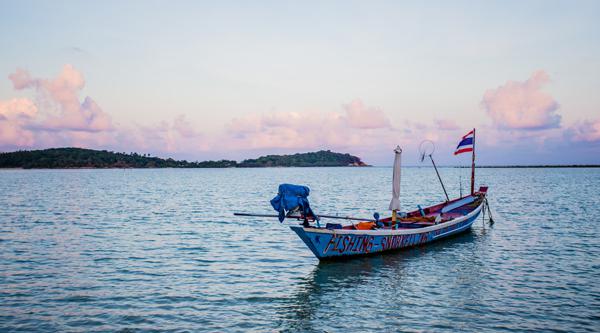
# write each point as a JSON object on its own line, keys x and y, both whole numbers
{"x": 357, "y": 125}
{"x": 176, "y": 138}
{"x": 56, "y": 116}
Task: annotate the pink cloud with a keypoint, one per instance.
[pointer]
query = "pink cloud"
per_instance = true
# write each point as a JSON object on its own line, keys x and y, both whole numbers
{"x": 522, "y": 105}
{"x": 59, "y": 100}
{"x": 15, "y": 115}
{"x": 89, "y": 117}
{"x": 21, "y": 79}
{"x": 356, "y": 126}
{"x": 14, "y": 136}
{"x": 18, "y": 108}
{"x": 585, "y": 131}
{"x": 57, "y": 118}
{"x": 182, "y": 126}
{"x": 360, "y": 116}
{"x": 173, "y": 137}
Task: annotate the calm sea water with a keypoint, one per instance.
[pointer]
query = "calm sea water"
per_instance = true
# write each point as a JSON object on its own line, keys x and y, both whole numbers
{"x": 159, "y": 250}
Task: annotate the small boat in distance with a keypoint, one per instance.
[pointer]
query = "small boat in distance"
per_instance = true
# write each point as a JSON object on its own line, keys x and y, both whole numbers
{"x": 400, "y": 230}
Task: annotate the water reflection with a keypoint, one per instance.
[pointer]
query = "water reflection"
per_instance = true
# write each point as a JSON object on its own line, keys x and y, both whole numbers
{"x": 316, "y": 294}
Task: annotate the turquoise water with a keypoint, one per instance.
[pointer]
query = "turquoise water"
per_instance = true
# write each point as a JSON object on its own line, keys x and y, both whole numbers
{"x": 159, "y": 250}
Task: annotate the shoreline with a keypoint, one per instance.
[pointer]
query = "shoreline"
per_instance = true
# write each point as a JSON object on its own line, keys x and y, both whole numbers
{"x": 328, "y": 166}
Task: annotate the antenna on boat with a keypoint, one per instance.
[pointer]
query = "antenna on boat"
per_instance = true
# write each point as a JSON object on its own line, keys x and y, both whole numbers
{"x": 426, "y": 148}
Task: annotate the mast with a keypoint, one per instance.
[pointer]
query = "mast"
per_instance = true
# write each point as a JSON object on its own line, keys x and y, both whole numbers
{"x": 473, "y": 166}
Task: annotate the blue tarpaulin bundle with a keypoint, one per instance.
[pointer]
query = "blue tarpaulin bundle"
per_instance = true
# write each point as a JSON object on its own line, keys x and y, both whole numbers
{"x": 289, "y": 197}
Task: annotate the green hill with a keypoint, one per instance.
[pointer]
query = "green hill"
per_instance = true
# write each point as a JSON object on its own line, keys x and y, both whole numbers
{"x": 56, "y": 158}
{"x": 320, "y": 158}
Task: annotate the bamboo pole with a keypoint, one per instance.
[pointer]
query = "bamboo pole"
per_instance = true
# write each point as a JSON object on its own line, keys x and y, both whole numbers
{"x": 440, "y": 178}
{"x": 300, "y": 217}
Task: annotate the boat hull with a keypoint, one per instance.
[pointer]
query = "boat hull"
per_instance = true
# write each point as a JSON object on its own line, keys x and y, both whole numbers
{"x": 325, "y": 243}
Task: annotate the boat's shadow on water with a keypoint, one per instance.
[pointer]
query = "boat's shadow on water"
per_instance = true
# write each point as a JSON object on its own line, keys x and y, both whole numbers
{"x": 331, "y": 280}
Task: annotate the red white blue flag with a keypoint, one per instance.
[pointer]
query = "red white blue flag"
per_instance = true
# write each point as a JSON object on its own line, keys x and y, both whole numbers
{"x": 466, "y": 144}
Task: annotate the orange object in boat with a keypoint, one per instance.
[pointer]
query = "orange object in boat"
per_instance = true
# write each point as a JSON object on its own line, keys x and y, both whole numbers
{"x": 418, "y": 219}
{"x": 365, "y": 225}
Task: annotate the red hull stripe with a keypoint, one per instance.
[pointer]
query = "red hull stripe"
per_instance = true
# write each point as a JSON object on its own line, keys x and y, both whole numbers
{"x": 464, "y": 150}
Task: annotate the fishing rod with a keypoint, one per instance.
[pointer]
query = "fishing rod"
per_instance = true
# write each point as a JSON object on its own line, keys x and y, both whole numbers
{"x": 440, "y": 178}
{"x": 302, "y": 217}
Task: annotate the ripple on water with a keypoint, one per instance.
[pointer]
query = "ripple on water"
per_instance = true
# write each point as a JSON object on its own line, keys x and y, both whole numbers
{"x": 159, "y": 250}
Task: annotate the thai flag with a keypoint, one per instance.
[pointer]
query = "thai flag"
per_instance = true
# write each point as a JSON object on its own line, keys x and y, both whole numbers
{"x": 466, "y": 144}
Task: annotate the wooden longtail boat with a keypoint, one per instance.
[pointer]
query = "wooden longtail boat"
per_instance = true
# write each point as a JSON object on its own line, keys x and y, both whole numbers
{"x": 379, "y": 235}
{"x": 418, "y": 227}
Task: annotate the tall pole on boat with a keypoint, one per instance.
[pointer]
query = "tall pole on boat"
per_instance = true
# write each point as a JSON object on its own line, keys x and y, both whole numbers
{"x": 395, "y": 203}
{"x": 473, "y": 166}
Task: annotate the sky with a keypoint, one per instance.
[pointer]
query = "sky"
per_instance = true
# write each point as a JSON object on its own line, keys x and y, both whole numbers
{"x": 238, "y": 79}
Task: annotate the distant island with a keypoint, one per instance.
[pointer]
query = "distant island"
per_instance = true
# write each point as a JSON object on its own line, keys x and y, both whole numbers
{"x": 66, "y": 158}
